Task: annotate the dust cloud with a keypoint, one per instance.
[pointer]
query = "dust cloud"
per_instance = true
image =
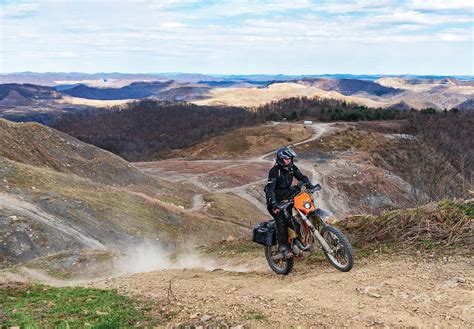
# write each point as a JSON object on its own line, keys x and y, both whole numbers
{"x": 147, "y": 257}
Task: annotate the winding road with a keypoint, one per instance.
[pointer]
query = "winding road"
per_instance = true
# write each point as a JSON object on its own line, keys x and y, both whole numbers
{"x": 199, "y": 180}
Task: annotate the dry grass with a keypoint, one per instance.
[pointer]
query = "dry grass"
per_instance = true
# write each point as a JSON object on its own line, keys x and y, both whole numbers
{"x": 93, "y": 102}
{"x": 350, "y": 138}
{"x": 246, "y": 142}
{"x": 441, "y": 227}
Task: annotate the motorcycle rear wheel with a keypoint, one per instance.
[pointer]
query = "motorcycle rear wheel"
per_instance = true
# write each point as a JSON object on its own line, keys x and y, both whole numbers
{"x": 342, "y": 257}
{"x": 282, "y": 266}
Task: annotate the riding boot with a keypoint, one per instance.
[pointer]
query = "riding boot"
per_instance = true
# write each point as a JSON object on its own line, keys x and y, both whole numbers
{"x": 282, "y": 236}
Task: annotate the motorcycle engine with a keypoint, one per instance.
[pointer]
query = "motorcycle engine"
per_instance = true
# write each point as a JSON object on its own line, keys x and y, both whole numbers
{"x": 296, "y": 250}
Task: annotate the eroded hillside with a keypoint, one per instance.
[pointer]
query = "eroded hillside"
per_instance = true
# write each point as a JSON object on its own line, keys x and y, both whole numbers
{"x": 58, "y": 194}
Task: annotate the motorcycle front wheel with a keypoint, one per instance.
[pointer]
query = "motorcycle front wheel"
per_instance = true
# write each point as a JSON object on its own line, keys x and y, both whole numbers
{"x": 342, "y": 256}
{"x": 279, "y": 265}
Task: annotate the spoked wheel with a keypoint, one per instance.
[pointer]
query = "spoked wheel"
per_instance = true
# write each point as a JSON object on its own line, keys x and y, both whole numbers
{"x": 341, "y": 256}
{"x": 276, "y": 261}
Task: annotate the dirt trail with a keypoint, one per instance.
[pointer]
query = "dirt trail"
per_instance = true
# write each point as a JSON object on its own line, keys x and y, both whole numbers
{"x": 379, "y": 292}
{"x": 324, "y": 197}
{"x": 201, "y": 179}
{"x": 318, "y": 130}
{"x": 31, "y": 211}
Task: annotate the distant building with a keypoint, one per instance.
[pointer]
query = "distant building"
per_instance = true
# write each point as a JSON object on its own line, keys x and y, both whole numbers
{"x": 307, "y": 122}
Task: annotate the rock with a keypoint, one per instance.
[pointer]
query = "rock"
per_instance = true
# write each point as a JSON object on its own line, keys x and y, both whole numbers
{"x": 367, "y": 291}
{"x": 238, "y": 327}
{"x": 205, "y": 318}
{"x": 373, "y": 294}
{"x": 194, "y": 316}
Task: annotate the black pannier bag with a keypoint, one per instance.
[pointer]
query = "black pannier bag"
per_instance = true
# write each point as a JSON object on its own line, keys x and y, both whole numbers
{"x": 264, "y": 233}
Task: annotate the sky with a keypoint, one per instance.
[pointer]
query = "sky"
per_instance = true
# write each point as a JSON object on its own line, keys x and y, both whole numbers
{"x": 238, "y": 37}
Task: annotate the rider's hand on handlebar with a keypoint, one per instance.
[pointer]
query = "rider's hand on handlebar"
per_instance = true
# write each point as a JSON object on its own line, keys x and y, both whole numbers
{"x": 316, "y": 187}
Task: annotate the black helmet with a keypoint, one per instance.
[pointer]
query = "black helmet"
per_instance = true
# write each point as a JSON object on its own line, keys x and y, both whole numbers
{"x": 284, "y": 153}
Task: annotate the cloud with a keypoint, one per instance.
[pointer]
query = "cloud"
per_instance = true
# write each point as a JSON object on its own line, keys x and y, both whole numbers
{"x": 442, "y": 5}
{"x": 415, "y": 17}
{"x": 197, "y": 33}
{"x": 18, "y": 11}
{"x": 232, "y": 8}
{"x": 361, "y": 6}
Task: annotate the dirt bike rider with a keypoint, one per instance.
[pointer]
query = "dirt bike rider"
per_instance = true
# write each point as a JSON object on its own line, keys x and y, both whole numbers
{"x": 278, "y": 188}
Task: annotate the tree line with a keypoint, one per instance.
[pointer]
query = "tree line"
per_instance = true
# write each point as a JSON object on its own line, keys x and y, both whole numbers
{"x": 146, "y": 129}
{"x": 322, "y": 109}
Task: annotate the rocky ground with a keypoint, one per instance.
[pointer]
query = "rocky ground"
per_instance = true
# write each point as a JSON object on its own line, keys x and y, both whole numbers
{"x": 380, "y": 292}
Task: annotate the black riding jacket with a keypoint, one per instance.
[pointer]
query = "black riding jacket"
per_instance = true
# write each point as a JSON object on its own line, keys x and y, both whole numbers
{"x": 279, "y": 182}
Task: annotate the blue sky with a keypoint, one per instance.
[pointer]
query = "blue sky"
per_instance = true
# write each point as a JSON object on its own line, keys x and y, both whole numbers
{"x": 238, "y": 37}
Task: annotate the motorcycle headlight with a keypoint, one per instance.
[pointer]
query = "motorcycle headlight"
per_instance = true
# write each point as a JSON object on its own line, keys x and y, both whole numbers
{"x": 307, "y": 205}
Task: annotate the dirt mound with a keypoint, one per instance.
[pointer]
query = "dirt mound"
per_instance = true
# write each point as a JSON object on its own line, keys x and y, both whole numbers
{"x": 38, "y": 145}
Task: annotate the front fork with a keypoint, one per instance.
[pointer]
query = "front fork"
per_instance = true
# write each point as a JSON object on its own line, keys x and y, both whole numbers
{"x": 316, "y": 232}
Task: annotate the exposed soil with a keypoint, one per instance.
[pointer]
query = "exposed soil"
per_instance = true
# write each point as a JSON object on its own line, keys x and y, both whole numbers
{"x": 379, "y": 292}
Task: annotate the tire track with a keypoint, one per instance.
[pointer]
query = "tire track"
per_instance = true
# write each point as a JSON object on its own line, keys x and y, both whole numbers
{"x": 33, "y": 212}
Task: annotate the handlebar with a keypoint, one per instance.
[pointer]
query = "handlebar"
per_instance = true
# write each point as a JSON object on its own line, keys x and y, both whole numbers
{"x": 283, "y": 205}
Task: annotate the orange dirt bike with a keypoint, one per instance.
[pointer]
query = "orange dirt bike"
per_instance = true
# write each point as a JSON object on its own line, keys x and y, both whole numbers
{"x": 306, "y": 227}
